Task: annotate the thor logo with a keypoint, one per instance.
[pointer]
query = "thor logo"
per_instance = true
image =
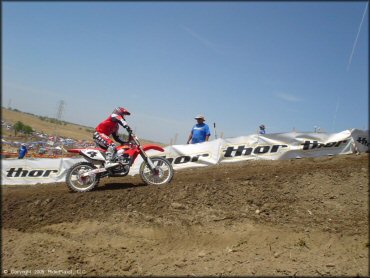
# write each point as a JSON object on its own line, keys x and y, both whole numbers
{"x": 20, "y": 172}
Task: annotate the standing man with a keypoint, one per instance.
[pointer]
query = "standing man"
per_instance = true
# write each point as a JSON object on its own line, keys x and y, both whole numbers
{"x": 200, "y": 132}
{"x": 22, "y": 151}
{"x": 262, "y": 129}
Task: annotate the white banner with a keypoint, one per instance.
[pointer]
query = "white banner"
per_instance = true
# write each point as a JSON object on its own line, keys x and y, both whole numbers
{"x": 361, "y": 140}
{"x": 37, "y": 170}
{"x": 268, "y": 146}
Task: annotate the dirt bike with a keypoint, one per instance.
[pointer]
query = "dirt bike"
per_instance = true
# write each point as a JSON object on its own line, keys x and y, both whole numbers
{"x": 85, "y": 176}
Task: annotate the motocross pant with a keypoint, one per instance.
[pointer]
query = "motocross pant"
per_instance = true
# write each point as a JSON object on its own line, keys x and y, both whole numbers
{"x": 106, "y": 143}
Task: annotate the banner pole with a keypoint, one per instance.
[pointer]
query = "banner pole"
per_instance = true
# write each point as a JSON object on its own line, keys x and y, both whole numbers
{"x": 214, "y": 125}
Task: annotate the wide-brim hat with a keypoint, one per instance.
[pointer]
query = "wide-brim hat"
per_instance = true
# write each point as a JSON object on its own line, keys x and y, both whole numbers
{"x": 200, "y": 117}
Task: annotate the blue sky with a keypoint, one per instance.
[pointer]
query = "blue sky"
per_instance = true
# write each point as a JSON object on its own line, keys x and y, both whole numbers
{"x": 283, "y": 64}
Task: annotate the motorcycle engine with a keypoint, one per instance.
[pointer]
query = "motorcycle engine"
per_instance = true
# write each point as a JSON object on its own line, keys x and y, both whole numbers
{"x": 120, "y": 170}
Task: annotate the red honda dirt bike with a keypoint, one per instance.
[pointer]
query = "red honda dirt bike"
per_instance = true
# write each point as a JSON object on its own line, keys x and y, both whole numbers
{"x": 84, "y": 176}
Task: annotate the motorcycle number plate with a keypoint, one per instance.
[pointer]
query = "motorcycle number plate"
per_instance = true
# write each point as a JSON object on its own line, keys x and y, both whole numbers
{"x": 93, "y": 154}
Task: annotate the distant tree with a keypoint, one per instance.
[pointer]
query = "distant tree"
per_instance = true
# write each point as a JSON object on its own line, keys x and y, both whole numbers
{"x": 27, "y": 129}
{"x": 21, "y": 127}
{"x": 18, "y": 126}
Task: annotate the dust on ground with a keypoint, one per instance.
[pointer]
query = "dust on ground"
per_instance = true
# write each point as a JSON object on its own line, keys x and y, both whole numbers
{"x": 292, "y": 217}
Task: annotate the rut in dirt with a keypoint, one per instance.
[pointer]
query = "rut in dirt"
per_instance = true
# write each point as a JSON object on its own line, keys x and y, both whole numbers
{"x": 300, "y": 194}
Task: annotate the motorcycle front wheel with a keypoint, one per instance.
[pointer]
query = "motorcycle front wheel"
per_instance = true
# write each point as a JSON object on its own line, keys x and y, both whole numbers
{"x": 76, "y": 182}
{"x": 162, "y": 173}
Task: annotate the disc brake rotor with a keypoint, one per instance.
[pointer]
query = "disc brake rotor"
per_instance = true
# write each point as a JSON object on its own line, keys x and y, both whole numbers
{"x": 84, "y": 180}
{"x": 158, "y": 172}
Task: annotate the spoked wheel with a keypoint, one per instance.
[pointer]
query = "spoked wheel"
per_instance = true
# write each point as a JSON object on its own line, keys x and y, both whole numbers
{"x": 76, "y": 182}
{"x": 162, "y": 173}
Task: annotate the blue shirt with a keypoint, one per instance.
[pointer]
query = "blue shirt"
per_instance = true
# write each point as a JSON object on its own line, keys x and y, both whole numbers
{"x": 200, "y": 132}
{"x": 22, "y": 152}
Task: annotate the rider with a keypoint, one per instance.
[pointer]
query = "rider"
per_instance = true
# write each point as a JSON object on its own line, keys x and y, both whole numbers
{"x": 110, "y": 127}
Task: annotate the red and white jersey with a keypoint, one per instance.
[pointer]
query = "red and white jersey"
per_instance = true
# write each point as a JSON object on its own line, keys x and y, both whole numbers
{"x": 110, "y": 125}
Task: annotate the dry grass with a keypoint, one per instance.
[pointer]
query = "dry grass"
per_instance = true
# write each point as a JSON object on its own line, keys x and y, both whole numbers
{"x": 70, "y": 130}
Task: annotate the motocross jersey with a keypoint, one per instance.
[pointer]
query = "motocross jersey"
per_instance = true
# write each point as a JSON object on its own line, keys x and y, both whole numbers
{"x": 110, "y": 126}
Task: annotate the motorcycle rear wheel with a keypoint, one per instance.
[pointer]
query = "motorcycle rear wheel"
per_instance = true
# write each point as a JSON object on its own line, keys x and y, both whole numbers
{"x": 76, "y": 183}
{"x": 163, "y": 174}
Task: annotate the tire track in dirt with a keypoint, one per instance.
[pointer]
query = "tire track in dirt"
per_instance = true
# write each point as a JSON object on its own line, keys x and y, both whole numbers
{"x": 293, "y": 217}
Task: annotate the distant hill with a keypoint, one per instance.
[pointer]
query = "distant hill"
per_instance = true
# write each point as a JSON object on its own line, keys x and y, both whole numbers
{"x": 50, "y": 126}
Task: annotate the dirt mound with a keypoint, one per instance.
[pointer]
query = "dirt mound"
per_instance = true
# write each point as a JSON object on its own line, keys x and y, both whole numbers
{"x": 293, "y": 217}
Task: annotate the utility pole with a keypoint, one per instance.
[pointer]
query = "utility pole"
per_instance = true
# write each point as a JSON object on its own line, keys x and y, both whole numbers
{"x": 9, "y": 103}
{"x": 58, "y": 117}
{"x": 60, "y": 110}
{"x": 175, "y": 139}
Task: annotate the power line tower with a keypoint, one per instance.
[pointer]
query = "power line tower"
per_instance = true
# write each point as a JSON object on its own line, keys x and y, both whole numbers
{"x": 58, "y": 117}
{"x": 60, "y": 110}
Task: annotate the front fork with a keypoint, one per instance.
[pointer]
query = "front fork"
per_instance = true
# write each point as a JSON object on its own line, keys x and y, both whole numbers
{"x": 147, "y": 160}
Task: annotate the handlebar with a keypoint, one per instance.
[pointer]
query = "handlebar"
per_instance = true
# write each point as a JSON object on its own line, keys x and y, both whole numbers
{"x": 134, "y": 138}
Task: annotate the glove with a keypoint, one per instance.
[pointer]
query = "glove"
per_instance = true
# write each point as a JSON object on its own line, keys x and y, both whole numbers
{"x": 129, "y": 130}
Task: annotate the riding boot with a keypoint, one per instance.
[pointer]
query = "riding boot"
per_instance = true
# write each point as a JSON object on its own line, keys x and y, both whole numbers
{"x": 109, "y": 156}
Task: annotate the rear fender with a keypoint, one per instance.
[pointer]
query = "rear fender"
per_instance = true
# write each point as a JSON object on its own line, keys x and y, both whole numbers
{"x": 93, "y": 154}
{"x": 79, "y": 150}
{"x": 74, "y": 150}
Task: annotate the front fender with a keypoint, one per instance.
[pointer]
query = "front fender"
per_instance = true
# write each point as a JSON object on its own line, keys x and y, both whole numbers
{"x": 153, "y": 147}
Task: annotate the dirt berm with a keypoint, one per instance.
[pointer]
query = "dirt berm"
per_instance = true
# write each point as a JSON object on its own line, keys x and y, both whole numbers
{"x": 306, "y": 217}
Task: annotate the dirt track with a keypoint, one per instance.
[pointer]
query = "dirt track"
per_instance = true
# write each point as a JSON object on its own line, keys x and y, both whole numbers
{"x": 294, "y": 217}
